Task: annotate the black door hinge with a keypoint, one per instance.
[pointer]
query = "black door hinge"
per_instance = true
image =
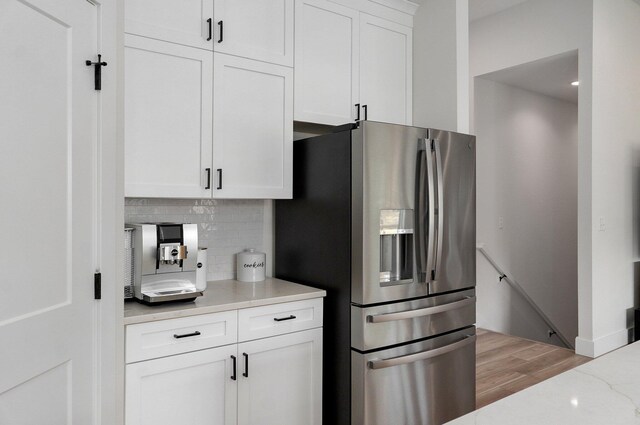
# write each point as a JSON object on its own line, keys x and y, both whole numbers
{"x": 97, "y": 286}
{"x": 97, "y": 71}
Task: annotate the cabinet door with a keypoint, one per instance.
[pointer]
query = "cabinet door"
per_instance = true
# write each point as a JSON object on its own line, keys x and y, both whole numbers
{"x": 194, "y": 388}
{"x": 255, "y": 29}
{"x": 326, "y": 62}
{"x": 253, "y": 128}
{"x": 184, "y": 22}
{"x": 385, "y": 70}
{"x": 168, "y": 119}
{"x": 284, "y": 382}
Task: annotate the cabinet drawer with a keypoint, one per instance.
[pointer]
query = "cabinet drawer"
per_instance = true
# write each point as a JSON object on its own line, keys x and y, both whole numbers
{"x": 167, "y": 337}
{"x": 277, "y": 319}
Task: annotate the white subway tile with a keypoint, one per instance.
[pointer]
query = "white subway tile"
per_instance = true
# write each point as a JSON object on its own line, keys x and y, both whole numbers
{"x": 225, "y": 227}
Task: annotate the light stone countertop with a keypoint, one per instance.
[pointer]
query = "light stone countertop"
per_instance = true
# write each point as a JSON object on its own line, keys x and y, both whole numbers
{"x": 223, "y": 295}
{"x": 602, "y": 392}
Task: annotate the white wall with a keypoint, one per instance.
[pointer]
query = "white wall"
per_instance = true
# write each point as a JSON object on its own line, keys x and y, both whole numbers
{"x": 616, "y": 185}
{"x": 440, "y": 65}
{"x": 528, "y": 32}
{"x": 527, "y": 173}
{"x": 605, "y": 33}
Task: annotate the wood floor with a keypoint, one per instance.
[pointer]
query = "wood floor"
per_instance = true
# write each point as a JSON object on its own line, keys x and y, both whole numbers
{"x": 506, "y": 364}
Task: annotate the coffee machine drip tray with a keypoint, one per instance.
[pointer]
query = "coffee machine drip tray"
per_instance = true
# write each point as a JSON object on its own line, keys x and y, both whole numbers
{"x": 170, "y": 290}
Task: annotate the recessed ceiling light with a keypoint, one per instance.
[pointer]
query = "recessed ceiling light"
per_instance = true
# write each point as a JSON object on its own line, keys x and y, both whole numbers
{"x": 575, "y": 83}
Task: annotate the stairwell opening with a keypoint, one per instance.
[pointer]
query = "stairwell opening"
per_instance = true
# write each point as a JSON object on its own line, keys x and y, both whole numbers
{"x": 526, "y": 123}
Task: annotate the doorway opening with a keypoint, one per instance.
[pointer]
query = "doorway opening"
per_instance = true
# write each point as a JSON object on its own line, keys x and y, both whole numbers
{"x": 526, "y": 123}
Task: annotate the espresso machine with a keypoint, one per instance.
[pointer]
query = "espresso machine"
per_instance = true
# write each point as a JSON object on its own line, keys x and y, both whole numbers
{"x": 165, "y": 262}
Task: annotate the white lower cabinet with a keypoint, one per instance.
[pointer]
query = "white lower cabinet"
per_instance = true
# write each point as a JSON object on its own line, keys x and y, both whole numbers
{"x": 275, "y": 380}
{"x": 283, "y": 381}
{"x": 192, "y": 388}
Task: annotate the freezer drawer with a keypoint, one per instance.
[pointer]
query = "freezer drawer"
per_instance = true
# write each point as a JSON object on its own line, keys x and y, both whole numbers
{"x": 425, "y": 383}
{"x": 398, "y": 323}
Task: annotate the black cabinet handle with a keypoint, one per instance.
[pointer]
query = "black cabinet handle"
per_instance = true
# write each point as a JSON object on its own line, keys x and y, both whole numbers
{"x": 176, "y": 336}
{"x": 365, "y": 111}
{"x": 219, "y": 170}
{"x": 280, "y": 319}
{"x": 234, "y": 368}
{"x": 208, "y": 170}
{"x": 246, "y": 365}
{"x": 357, "y": 112}
{"x": 210, "y": 23}
{"x": 221, "y": 25}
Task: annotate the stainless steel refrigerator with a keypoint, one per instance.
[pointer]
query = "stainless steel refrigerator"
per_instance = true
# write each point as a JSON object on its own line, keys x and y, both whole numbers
{"x": 383, "y": 219}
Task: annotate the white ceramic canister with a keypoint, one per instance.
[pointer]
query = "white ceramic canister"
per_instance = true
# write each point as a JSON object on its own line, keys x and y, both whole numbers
{"x": 251, "y": 265}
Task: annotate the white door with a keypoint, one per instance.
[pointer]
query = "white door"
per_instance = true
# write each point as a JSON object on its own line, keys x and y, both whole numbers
{"x": 255, "y": 29}
{"x": 385, "y": 70}
{"x": 326, "y": 62}
{"x": 48, "y": 157}
{"x": 168, "y": 119}
{"x": 284, "y": 382}
{"x": 188, "y": 22}
{"x": 193, "y": 388}
{"x": 252, "y": 128}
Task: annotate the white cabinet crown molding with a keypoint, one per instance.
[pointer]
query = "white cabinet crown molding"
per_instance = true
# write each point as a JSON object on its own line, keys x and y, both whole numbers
{"x": 399, "y": 11}
{"x": 403, "y": 6}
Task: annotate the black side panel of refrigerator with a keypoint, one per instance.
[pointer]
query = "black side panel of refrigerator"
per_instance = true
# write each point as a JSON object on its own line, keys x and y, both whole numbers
{"x": 312, "y": 246}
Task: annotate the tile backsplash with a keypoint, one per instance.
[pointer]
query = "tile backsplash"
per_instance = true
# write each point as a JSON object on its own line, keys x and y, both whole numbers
{"x": 225, "y": 226}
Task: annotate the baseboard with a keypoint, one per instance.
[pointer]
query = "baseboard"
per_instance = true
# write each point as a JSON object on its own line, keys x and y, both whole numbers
{"x": 603, "y": 345}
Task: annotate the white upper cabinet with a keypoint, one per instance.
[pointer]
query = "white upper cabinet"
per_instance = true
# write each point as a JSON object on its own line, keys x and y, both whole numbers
{"x": 168, "y": 119}
{"x": 209, "y": 87}
{"x": 177, "y": 126}
{"x": 361, "y": 68}
{"x": 253, "y": 129}
{"x": 188, "y": 22}
{"x": 255, "y": 29}
{"x": 326, "y": 62}
{"x": 385, "y": 70}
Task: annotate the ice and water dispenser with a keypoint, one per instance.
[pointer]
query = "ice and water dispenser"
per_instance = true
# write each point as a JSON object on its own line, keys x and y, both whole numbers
{"x": 396, "y": 247}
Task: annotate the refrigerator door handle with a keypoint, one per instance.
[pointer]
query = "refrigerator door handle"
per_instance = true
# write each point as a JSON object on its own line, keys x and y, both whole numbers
{"x": 431, "y": 237}
{"x": 440, "y": 212}
{"x": 427, "y": 311}
{"x": 421, "y": 218}
{"x": 423, "y": 355}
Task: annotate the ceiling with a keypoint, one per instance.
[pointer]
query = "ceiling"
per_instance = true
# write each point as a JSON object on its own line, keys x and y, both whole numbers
{"x": 550, "y": 76}
{"x": 481, "y": 8}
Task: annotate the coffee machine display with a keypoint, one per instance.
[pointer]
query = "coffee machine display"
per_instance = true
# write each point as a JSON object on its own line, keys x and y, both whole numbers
{"x": 166, "y": 262}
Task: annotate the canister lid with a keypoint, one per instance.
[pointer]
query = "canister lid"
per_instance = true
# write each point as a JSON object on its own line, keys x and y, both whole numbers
{"x": 248, "y": 251}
